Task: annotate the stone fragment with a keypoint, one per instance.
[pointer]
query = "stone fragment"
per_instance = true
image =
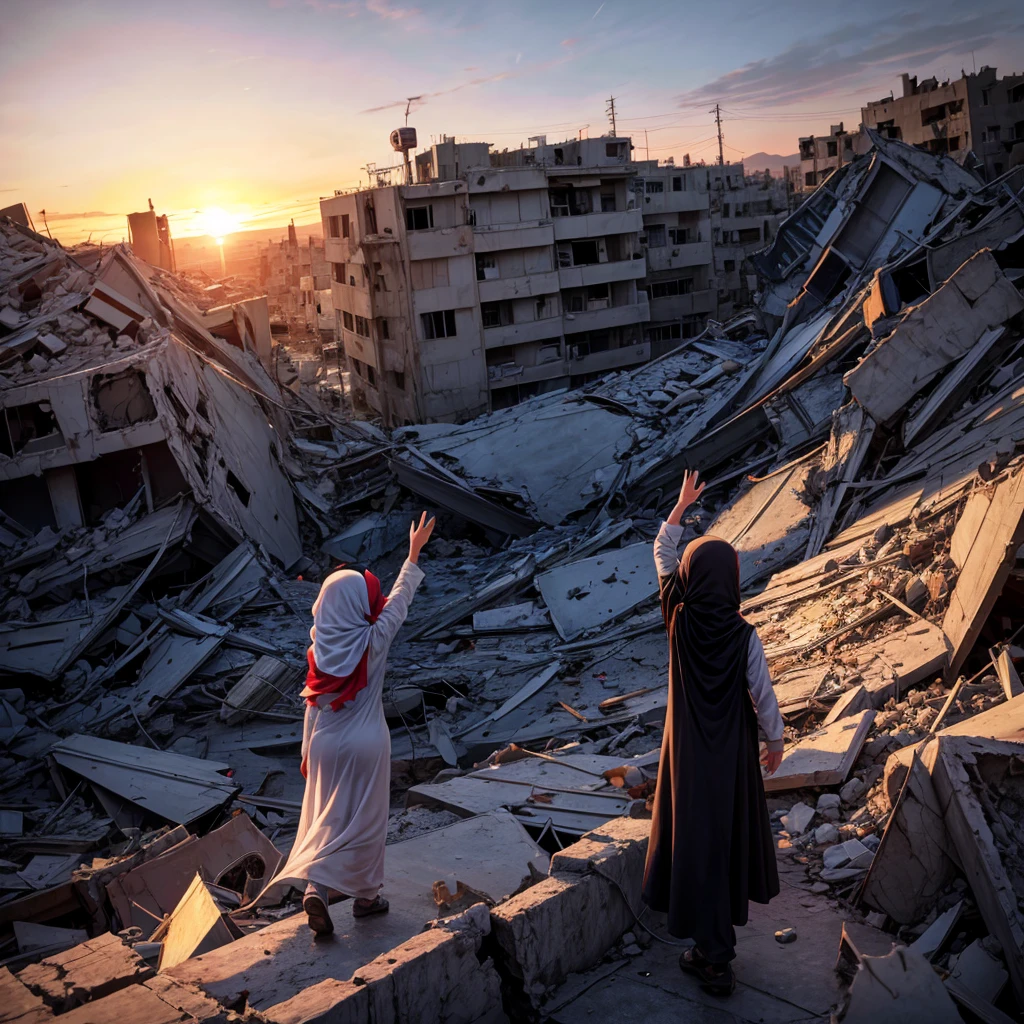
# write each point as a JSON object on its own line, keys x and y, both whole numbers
{"x": 826, "y": 834}
{"x": 852, "y": 791}
{"x": 797, "y": 820}
{"x": 785, "y": 936}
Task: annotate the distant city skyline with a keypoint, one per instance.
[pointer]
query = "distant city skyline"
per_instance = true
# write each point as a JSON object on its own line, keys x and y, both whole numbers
{"x": 237, "y": 114}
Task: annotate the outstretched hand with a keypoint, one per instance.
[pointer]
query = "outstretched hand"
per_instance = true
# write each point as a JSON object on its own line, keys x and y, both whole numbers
{"x": 419, "y": 535}
{"x": 690, "y": 491}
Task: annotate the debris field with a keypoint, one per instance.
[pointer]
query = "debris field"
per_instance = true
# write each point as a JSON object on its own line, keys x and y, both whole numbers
{"x": 173, "y": 491}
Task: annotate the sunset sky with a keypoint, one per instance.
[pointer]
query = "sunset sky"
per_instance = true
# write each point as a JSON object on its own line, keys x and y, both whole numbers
{"x": 258, "y": 108}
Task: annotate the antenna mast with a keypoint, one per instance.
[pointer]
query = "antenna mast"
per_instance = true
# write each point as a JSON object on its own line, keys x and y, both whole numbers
{"x": 610, "y": 111}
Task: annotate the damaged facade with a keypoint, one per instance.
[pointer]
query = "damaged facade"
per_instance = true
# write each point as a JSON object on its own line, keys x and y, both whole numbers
{"x": 978, "y": 113}
{"x": 861, "y": 433}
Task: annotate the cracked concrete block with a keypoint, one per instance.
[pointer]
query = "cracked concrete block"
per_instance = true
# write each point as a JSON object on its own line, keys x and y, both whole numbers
{"x": 436, "y": 977}
{"x": 570, "y": 920}
{"x": 86, "y": 972}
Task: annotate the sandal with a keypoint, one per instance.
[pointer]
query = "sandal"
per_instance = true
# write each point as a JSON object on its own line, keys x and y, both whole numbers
{"x": 716, "y": 979}
{"x": 314, "y": 903}
{"x": 378, "y": 905}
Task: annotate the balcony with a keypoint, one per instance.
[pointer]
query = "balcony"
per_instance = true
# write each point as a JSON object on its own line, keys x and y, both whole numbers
{"x": 512, "y": 373}
{"x": 524, "y": 235}
{"x": 353, "y": 298}
{"x": 550, "y": 328}
{"x": 435, "y": 243}
{"x": 676, "y": 202}
{"x": 594, "y": 225}
{"x": 601, "y": 273}
{"x": 611, "y": 359}
{"x": 502, "y": 289}
{"x": 359, "y": 348}
{"x": 672, "y": 307}
{"x": 337, "y": 250}
{"x": 456, "y": 296}
{"x": 673, "y": 257}
{"x": 602, "y": 319}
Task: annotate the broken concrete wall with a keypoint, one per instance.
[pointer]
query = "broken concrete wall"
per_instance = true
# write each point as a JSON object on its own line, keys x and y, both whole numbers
{"x": 569, "y": 921}
{"x": 227, "y": 449}
{"x": 932, "y": 335}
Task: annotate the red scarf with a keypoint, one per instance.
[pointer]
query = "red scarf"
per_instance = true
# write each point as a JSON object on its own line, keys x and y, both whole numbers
{"x": 346, "y": 687}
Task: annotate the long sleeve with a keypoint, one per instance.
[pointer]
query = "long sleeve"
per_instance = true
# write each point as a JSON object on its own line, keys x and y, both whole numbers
{"x": 666, "y": 549}
{"x": 393, "y": 615}
{"x": 763, "y": 694}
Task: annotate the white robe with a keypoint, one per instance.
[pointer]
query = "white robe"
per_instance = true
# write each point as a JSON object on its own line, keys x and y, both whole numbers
{"x": 344, "y": 820}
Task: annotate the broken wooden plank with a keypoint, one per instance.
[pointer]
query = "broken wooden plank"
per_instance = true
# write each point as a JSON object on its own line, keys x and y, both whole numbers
{"x": 1009, "y": 680}
{"x": 18, "y": 1004}
{"x": 986, "y": 562}
{"x": 197, "y": 925}
{"x": 823, "y": 757}
{"x": 854, "y": 700}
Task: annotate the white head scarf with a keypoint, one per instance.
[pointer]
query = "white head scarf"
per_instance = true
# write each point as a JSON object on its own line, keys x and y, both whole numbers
{"x": 340, "y": 632}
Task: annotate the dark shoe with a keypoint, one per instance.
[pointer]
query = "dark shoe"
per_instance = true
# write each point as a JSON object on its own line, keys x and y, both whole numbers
{"x": 379, "y": 905}
{"x": 715, "y": 979}
{"x": 314, "y": 903}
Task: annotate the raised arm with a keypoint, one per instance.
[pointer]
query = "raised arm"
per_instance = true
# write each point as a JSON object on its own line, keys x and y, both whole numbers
{"x": 765, "y": 703}
{"x": 666, "y": 544}
{"x": 395, "y": 611}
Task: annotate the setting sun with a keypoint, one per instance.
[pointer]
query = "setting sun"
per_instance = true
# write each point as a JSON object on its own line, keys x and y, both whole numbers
{"x": 217, "y": 222}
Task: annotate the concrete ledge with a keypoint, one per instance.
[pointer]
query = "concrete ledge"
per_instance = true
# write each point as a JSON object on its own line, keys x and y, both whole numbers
{"x": 436, "y": 976}
{"x": 570, "y": 920}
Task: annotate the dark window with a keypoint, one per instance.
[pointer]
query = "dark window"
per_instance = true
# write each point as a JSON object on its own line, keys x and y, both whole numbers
{"x": 398, "y": 379}
{"x": 346, "y": 319}
{"x": 344, "y": 225}
{"x": 339, "y": 272}
{"x": 440, "y": 324}
{"x": 833, "y": 147}
{"x": 665, "y": 289}
{"x": 607, "y": 203}
{"x": 655, "y": 235}
{"x": 362, "y": 327}
{"x": 371, "y": 375}
{"x": 677, "y": 183}
{"x": 725, "y": 209}
{"x": 584, "y": 253}
{"x": 750, "y": 234}
{"x": 382, "y": 328}
{"x": 30, "y": 428}
{"x": 610, "y": 149}
{"x": 241, "y": 491}
{"x": 680, "y": 236}
{"x": 485, "y": 262}
{"x": 419, "y": 218}
{"x": 729, "y": 265}
{"x": 653, "y": 187}
{"x": 490, "y": 313}
{"x": 334, "y": 227}
{"x": 809, "y": 179}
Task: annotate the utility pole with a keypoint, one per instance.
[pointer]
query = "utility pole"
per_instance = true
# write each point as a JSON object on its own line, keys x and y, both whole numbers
{"x": 717, "y": 111}
{"x": 610, "y": 111}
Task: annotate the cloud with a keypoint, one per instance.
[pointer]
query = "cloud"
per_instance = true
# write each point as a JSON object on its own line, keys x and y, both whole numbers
{"x": 852, "y": 56}
{"x": 570, "y": 42}
{"x": 597, "y": 12}
{"x": 80, "y": 216}
{"x": 383, "y": 9}
{"x": 420, "y": 100}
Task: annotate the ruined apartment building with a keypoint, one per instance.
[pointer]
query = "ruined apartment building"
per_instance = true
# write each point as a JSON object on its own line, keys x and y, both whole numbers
{"x": 746, "y": 210}
{"x": 496, "y": 276}
{"x": 978, "y": 112}
{"x": 820, "y": 155}
{"x": 315, "y": 292}
{"x": 680, "y": 279}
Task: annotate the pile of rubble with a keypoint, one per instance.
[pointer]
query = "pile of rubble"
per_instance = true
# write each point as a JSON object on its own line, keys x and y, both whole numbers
{"x": 861, "y": 433}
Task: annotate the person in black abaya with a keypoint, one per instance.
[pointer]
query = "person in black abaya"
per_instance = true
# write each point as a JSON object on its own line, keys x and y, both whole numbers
{"x": 711, "y": 847}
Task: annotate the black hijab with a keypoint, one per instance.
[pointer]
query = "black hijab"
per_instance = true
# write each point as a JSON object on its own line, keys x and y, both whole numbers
{"x": 711, "y": 847}
{"x": 709, "y": 637}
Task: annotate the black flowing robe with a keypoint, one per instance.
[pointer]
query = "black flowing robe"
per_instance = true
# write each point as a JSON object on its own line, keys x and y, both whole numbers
{"x": 711, "y": 847}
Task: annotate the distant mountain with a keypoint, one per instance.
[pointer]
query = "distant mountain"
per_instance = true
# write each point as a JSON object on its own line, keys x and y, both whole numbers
{"x": 771, "y": 162}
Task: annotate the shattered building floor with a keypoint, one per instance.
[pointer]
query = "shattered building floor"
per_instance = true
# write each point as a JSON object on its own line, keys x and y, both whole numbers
{"x": 171, "y": 497}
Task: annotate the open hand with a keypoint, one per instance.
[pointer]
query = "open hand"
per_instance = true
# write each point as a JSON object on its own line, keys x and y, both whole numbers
{"x": 688, "y": 494}
{"x": 419, "y": 535}
{"x": 771, "y": 759}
